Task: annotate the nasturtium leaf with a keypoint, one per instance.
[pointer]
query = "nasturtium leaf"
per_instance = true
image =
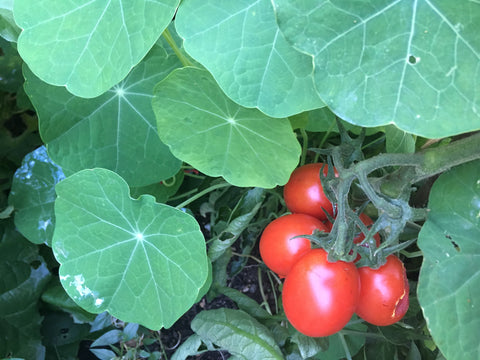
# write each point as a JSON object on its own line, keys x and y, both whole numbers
{"x": 33, "y": 194}
{"x": 8, "y": 29}
{"x": 141, "y": 261}
{"x": 237, "y": 332}
{"x": 449, "y": 282}
{"x": 240, "y": 43}
{"x": 206, "y": 129}
{"x": 116, "y": 130}
{"x": 411, "y": 63}
{"x": 90, "y": 46}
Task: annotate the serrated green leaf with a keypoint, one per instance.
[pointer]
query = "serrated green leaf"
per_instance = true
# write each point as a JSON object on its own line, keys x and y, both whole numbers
{"x": 116, "y": 130}
{"x": 218, "y": 137}
{"x": 91, "y": 46}
{"x": 33, "y": 195}
{"x": 141, "y": 261}
{"x": 449, "y": 282}
{"x": 240, "y": 44}
{"x": 414, "y": 64}
{"x": 237, "y": 332}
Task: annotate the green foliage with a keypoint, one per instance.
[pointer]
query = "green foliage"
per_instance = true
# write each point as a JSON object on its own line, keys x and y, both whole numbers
{"x": 219, "y": 137}
{"x": 240, "y": 43}
{"x": 177, "y": 122}
{"x": 105, "y": 242}
{"x": 115, "y": 131}
{"x": 91, "y": 46}
{"x": 449, "y": 280}
{"x": 380, "y": 61}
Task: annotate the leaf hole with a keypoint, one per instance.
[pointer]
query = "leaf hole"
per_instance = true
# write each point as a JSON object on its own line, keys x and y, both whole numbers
{"x": 412, "y": 60}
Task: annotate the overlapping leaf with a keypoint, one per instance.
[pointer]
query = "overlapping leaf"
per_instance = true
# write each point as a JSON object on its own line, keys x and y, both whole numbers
{"x": 449, "y": 283}
{"x": 8, "y": 29}
{"x": 33, "y": 194}
{"x": 240, "y": 44}
{"x": 116, "y": 130}
{"x": 141, "y": 261}
{"x": 88, "y": 46}
{"x": 413, "y": 63}
{"x": 206, "y": 129}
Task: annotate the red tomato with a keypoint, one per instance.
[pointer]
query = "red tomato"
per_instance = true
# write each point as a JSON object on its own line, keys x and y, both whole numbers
{"x": 303, "y": 193}
{"x": 359, "y": 238}
{"x": 320, "y": 297}
{"x": 383, "y": 296}
{"x": 277, "y": 248}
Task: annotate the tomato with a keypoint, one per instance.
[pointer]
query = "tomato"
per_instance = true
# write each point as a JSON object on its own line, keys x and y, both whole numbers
{"x": 303, "y": 193}
{"x": 359, "y": 238}
{"x": 319, "y": 297}
{"x": 383, "y": 296}
{"x": 277, "y": 248}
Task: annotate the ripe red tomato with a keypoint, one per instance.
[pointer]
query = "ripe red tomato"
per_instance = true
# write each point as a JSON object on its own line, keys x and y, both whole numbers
{"x": 320, "y": 297}
{"x": 383, "y": 296}
{"x": 359, "y": 238}
{"x": 303, "y": 193}
{"x": 277, "y": 248}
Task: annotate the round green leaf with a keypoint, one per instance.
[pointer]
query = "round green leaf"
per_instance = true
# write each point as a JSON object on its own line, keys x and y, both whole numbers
{"x": 413, "y": 63}
{"x": 33, "y": 195}
{"x": 240, "y": 44}
{"x": 141, "y": 261}
{"x": 89, "y": 46}
{"x": 449, "y": 283}
{"x": 206, "y": 129}
{"x": 116, "y": 130}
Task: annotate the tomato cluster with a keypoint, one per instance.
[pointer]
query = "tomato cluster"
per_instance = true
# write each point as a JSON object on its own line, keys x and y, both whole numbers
{"x": 319, "y": 297}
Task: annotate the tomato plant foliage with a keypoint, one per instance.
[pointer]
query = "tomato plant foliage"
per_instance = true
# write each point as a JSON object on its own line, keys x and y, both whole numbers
{"x": 145, "y": 145}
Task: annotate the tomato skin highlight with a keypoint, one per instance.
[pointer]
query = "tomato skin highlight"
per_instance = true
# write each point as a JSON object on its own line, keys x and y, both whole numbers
{"x": 277, "y": 248}
{"x": 384, "y": 292}
{"x": 303, "y": 193}
{"x": 320, "y": 297}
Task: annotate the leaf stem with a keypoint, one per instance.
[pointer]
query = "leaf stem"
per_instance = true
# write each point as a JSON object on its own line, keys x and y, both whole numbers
{"x": 181, "y": 56}
{"x": 304, "y": 146}
{"x": 200, "y": 194}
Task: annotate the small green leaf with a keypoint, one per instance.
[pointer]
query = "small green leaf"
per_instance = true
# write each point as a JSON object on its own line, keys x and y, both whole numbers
{"x": 240, "y": 44}
{"x": 89, "y": 46}
{"x": 398, "y": 141}
{"x": 116, "y": 130}
{"x": 449, "y": 282}
{"x": 377, "y": 62}
{"x": 188, "y": 348}
{"x": 220, "y": 138}
{"x": 142, "y": 261}
{"x": 237, "y": 332}
{"x": 33, "y": 196}
{"x": 8, "y": 28}
{"x": 245, "y": 303}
